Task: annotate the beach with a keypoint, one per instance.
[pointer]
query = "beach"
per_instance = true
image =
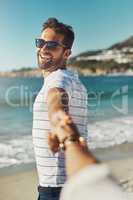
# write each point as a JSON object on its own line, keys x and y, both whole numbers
{"x": 18, "y": 182}
{"x": 19, "y": 186}
{"x": 110, "y": 133}
{"x": 23, "y": 185}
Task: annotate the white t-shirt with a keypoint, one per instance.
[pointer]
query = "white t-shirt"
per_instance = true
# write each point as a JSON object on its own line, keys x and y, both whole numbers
{"x": 50, "y": 167}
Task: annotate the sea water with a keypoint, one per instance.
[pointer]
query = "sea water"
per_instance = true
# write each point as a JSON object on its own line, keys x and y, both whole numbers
{"x": 110, "y": 115}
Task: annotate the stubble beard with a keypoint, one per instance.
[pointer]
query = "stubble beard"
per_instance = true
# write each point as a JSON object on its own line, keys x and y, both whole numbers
{"x": 50, "y": 64}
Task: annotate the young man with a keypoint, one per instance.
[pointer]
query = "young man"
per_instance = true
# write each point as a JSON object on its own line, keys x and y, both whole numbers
{"x": 62, "y": 90}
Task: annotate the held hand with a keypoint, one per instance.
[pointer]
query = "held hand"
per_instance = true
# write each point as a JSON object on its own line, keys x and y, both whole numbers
{"x": 54, "y": 138}
{"x": 63, "y": 125}
{"x": 53, "y": 142}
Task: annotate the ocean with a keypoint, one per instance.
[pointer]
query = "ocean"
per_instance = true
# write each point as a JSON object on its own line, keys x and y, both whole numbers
{"x": 110, "y": 115}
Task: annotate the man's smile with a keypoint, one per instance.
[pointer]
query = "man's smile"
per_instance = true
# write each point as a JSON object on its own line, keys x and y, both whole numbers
{"x": 45, "y": 56}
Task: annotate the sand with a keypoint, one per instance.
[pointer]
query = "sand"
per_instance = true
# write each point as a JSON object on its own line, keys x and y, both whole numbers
{"x": 19, "y": 186}
{"x": 22, "y": 185}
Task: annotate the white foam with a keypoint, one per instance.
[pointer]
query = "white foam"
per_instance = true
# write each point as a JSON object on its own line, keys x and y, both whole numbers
{"x": 110, "y": 132}
{"x": 16, "y": 151}
{"x": 100, "y": 134}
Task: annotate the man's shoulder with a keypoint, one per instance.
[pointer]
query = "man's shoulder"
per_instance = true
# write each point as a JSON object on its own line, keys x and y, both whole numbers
{"x": 59, "y": 75}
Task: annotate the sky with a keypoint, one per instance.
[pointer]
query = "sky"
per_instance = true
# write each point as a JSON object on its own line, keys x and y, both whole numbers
{"x": 97, "y": 24}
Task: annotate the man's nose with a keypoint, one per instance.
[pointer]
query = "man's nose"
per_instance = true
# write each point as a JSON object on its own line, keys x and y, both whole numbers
{"x": 44, "y": 47}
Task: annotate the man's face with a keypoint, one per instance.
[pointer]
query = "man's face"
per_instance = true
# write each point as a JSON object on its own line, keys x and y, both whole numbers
{"x": 52, "y": 58}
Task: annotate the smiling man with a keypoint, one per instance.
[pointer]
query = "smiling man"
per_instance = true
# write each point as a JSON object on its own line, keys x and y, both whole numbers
{"x": 61, "y": 91}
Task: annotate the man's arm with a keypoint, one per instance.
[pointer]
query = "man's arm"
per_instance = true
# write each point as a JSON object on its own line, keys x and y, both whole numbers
{"x": 57, "y": 101}
{"x": 58, "y": 105}
{"x": 77, "y": 154}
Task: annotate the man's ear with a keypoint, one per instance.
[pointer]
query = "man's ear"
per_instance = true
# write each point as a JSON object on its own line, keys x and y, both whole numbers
{"x": 67, "y": 53}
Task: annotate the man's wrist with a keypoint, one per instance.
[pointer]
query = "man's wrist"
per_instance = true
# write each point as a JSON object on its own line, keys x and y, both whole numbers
{"x": 70, "y": 140}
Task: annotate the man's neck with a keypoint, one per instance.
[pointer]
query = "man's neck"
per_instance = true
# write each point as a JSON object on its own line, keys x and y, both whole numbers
{"x": 47, "y": 72}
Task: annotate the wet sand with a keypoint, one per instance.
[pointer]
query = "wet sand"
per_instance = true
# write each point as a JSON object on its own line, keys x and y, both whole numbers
{"x": 21, "y": 183}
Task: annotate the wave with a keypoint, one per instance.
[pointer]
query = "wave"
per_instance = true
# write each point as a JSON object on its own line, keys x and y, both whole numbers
{"x": 110, "y": 132}
{"x": 101, "y": 134}
{"x": 16, "y": 151}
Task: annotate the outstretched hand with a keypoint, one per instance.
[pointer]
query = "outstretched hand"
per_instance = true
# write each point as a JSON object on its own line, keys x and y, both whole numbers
{"x": 53, "y": 142}
{"x": 62, "y": 127}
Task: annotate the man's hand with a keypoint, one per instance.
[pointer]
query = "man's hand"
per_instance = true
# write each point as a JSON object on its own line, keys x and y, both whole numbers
{"x": 57, "y": 101}
{"x": 61, "y": 122}
{"x": 53, "y": 142}
{"x": 63, "y": 127}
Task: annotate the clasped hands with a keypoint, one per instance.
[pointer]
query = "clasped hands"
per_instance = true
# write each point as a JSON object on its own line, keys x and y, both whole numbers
{"x": 62, "y": 127}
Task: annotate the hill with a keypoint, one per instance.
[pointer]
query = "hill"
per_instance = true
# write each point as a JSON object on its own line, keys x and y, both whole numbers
{"x": 116, "y": 59}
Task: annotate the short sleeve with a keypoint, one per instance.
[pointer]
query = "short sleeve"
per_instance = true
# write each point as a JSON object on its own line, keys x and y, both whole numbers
{"x": 59, "y": 80}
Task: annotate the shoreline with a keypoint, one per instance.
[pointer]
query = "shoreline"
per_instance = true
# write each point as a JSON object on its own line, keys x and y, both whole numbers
{"x": 89, "y": 75}
{"x": 106, "y": 154}
{"x": 13, "y": 169}
{"x": 23, "y": 184}
{"x": 37, "y": 73}
{"x": 20, "y": 182}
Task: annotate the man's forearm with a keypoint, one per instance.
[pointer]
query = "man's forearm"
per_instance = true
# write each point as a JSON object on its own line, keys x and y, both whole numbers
{"x": 58, "y": 100}
{"x": 76, "y": 155}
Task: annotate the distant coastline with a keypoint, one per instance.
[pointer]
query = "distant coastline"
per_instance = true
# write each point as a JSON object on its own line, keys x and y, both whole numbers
{"x": 101, "y": 72}
{"x": 35, "y": 72}
{"x": 22, "y": 73}
{"x": 84, "y": 72}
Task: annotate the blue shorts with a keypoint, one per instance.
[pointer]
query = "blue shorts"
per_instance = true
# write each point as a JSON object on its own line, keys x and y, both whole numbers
{"x": 49, "y": 193}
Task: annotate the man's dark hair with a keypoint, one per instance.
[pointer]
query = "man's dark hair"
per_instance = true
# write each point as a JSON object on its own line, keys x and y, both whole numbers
{"x": 60, "y": 28}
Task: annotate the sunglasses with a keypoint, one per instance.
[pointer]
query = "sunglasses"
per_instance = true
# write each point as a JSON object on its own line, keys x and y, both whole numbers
{"x": 49, "y": 44}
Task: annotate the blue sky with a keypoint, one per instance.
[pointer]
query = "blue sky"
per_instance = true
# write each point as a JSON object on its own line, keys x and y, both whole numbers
{"x": 97, "y": 24}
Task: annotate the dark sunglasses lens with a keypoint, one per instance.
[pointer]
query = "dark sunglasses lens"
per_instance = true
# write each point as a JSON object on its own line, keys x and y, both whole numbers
{"x": 52, "y": 44}
{"x": 39, "y": 43}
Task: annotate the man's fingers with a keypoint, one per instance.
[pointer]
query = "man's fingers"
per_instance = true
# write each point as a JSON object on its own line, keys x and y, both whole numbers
{"x": 83, "y": 143}
{"x": 60, "y": 115}
{"x": 53, "y": 142}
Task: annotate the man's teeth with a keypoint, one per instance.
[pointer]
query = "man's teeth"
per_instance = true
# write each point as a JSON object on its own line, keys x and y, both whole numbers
{"x": 45, "y": 56}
